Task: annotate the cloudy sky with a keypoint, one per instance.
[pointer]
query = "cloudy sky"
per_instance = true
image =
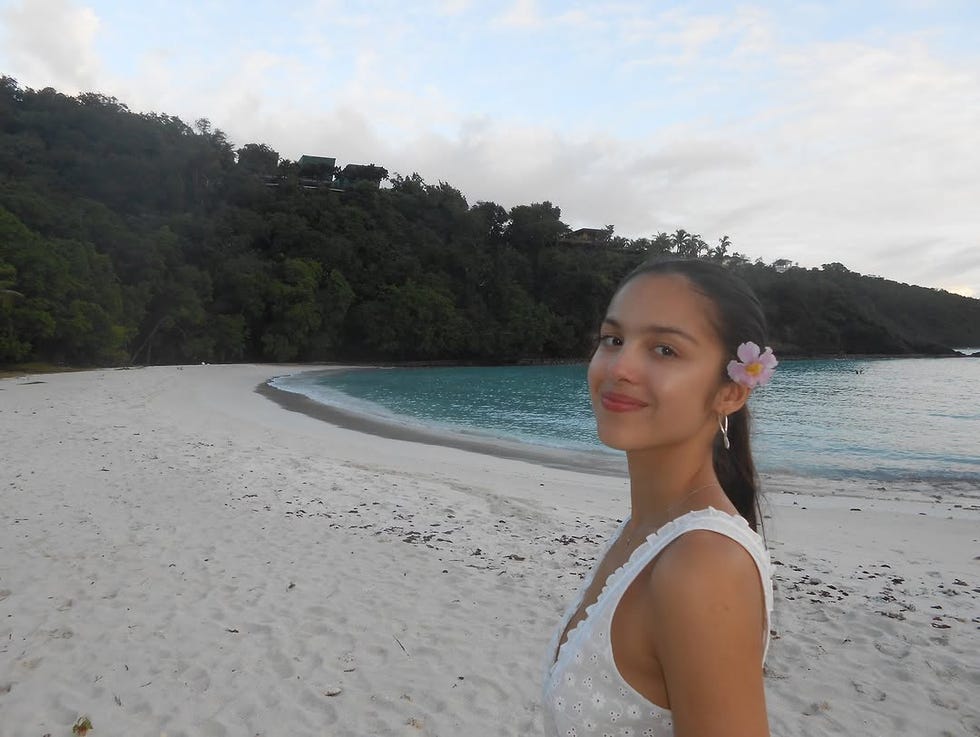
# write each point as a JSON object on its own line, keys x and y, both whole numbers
{"x": 833, "y": 130}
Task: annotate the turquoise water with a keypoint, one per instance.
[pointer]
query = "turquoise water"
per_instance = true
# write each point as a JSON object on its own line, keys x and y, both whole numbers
{"x": 883, "y": 419}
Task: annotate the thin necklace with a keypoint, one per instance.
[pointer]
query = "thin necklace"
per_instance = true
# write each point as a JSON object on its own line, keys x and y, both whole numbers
{"x": 688, "y": 495}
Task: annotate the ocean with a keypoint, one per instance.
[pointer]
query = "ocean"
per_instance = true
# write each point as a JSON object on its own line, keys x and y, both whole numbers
{"x": 898, "y": 419}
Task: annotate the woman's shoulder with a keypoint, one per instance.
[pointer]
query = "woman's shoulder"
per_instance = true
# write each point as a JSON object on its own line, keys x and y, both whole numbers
{"x": 707, "y": 552}
{"x": 709, "y": 531}
{"x": 708, "y": 587}
{"x": 709, "y": 606}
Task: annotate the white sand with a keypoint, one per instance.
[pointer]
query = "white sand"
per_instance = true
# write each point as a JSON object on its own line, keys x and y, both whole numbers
{"x": 180, "y": 555}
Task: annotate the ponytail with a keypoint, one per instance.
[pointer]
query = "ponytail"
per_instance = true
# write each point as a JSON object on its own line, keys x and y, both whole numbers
{"x": 735, "y": 468}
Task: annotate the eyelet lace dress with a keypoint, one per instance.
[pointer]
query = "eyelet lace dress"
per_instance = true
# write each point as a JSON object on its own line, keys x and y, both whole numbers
{"x": 584, "y": 693}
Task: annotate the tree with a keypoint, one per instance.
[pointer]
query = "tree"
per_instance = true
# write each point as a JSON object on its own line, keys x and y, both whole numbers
{"x": 293, "y": 309}
{"x": 533, "y": 227}
{"x": 257, "y": 158}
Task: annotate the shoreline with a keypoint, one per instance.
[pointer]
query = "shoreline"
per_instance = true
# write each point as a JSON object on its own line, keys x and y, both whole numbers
{"x": 594, "y": 462}
{"x": 597, "y": 463}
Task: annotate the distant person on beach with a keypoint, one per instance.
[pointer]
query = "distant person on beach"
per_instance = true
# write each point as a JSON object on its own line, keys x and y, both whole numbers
{"x": 669, "y": 634}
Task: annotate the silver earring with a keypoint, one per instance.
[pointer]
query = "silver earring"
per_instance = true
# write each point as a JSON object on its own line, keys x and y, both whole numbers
{"x": 723, "y": 426}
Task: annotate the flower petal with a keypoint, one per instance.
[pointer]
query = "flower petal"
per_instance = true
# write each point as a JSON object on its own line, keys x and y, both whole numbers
{"x": 748, "y": 352}
{"x": 737, "y": 373}
{"x": 768, "y": 359}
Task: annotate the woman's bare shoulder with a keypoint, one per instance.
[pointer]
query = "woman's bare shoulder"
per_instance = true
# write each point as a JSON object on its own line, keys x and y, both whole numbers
{"x": 705, "y": 596}
{"x": 704, "y": 548}
{"x": 703, "y": 563}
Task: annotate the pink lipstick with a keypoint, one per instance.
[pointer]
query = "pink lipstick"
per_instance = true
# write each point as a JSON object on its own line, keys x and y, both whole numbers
{"x": 620, "y": 402}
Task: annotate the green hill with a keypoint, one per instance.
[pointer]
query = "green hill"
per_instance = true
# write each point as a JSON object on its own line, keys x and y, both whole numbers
{"x": 137, "y": 238}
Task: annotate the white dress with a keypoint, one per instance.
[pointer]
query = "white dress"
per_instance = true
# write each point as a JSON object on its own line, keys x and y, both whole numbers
{"x": 584, "y": 693}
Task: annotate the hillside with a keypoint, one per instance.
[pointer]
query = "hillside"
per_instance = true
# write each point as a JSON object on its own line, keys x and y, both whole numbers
{"x": 137, "y": 238}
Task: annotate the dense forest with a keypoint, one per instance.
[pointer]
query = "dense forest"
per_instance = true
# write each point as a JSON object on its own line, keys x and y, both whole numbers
{"x": 132, "y": 238}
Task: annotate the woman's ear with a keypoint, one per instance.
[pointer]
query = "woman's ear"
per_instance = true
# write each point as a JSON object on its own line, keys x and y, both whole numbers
{"x": 731, "y": 397}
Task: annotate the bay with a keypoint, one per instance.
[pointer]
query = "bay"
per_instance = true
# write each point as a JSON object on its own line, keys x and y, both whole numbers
{"x": 902, "y": 419}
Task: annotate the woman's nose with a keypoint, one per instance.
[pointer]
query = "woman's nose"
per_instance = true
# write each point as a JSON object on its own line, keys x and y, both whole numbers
{"x": 625, "y": 363}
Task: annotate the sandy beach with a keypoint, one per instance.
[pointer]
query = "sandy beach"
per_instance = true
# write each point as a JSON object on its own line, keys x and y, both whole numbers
{"x": 181, "y": 555}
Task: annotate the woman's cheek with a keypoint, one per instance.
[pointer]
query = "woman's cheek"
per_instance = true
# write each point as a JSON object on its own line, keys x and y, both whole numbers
{"x": 596, "y": 370}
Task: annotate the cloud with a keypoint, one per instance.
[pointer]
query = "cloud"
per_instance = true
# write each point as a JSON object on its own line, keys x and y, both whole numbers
{"x": 861, "y": 151}
{"x": 677, "y": 37}
{"x": 454, "y": 7}
{"x": 51, "y": 43}
{"x": 690, "y": 35}
{"x": 877, "y": 146}
{"x": 963, "y": 290}
{"x": 521, "y": 14}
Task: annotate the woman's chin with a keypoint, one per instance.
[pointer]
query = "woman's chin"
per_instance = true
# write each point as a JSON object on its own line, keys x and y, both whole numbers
{"x": 618, "y": 441}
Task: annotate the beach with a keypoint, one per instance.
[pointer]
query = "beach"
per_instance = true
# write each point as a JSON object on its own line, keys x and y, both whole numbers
{"x": 182, "y": 555}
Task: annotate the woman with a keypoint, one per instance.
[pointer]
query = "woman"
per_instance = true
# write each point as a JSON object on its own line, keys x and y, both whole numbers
{"x": 670, "y": 633}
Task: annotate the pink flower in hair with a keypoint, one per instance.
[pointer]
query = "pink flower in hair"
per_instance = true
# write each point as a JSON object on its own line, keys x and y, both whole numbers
{"x": 753, "y": 367}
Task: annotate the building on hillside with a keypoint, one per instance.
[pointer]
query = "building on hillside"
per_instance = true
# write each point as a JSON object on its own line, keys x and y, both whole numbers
{"x": 354, "y": 174}
{"x": 585, "y": 237}
{"x": 316, "y": 171}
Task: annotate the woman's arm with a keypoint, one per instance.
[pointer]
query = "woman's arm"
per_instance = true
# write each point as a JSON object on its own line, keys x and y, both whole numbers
{"x": 709, "y": 613}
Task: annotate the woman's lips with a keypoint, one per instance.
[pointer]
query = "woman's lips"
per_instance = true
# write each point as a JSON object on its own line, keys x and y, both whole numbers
{"x": 620, "y": 402}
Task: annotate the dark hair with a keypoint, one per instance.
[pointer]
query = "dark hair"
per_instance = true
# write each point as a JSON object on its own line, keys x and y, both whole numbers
{"x": 737, "y": 318}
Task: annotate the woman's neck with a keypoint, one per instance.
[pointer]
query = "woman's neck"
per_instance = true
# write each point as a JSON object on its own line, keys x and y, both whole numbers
{"x": 664, "y": 485}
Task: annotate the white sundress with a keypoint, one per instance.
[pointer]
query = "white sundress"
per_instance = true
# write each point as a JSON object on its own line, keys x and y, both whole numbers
{"x": 584, "y": 693}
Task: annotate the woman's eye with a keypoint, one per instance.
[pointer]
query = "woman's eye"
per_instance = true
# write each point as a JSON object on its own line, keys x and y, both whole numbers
{"x": 610, "y": 341}
{"x": 664, "y": 350}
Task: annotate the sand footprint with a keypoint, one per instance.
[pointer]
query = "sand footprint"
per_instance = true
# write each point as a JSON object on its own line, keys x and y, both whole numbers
{"x": 817, "y": 707}
{"x": 942, "y": 700}
{"x": 198, "y": 680}
{"x": 280, "y": 664}
{"x": 212, "y": 728}
{"x": 257, "y": 628}
{"x": 892, "y": 650}
{"x": 871, "y": 691}
{"x": 319, "y": 702}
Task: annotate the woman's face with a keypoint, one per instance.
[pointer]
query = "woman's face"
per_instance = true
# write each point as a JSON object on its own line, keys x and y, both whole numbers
{"x": 655, "y": 377}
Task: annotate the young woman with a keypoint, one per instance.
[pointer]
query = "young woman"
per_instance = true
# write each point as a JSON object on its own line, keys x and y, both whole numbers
{"x": 670, "y": 633}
